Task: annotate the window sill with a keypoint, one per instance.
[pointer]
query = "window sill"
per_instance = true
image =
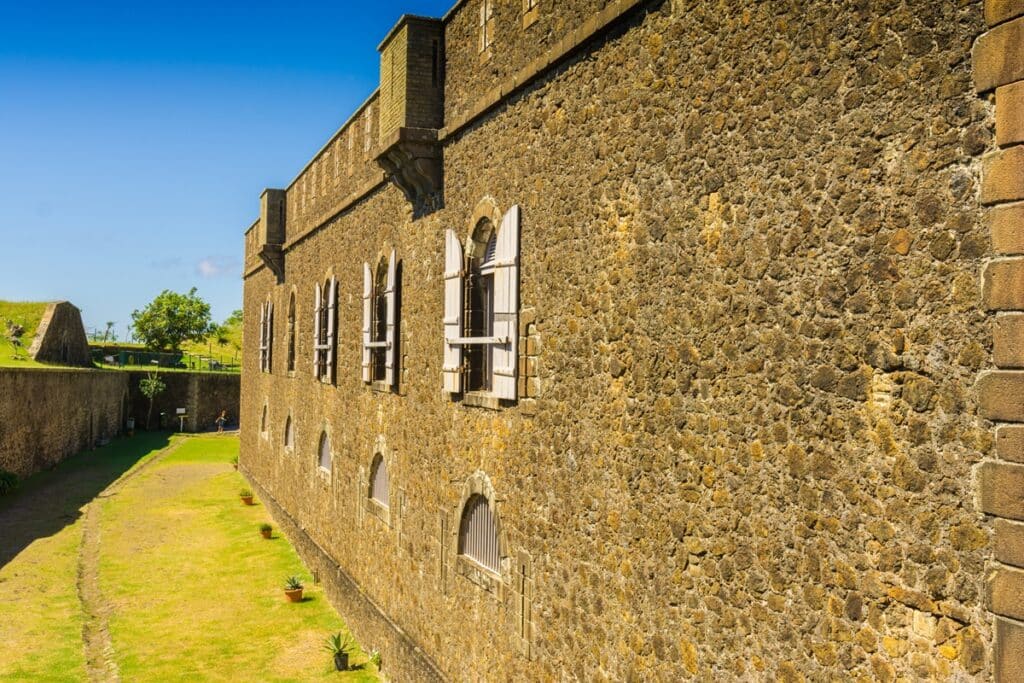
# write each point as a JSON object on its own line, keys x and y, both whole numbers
{"x": 481, "y": 399}
{"x": 324, "y": 476}
{"x": 379, "y": 510}
{"x": 381, "y": 386}
{"x": 476, "y": 573}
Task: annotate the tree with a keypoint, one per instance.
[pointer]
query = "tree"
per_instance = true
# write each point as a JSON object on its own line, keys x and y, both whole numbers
{"x": 171, "y": 319}
{"x": 150, "y": 386}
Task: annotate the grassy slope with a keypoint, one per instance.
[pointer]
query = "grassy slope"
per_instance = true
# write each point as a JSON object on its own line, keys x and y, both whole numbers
{"x": 26, "y": 314}
{"x": 40, "y": 616}
{"x": 234, "y": 345}
{"x": 197, "y": 592}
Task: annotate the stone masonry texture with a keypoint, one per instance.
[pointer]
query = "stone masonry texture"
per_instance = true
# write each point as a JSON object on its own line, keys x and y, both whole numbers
{"x": 751, "y": 245}
{"x": 60, "y": 337}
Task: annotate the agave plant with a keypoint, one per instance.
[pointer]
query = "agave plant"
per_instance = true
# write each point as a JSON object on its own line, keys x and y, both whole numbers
{"x": 266, "y": 527}
{"x": 339, "y": 642}
{"x": 245, "y": 493}
{"x": 292, "y": 583}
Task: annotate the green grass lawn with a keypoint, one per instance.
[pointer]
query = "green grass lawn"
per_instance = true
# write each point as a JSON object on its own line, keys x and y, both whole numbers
{"x": 40, "y": 533}
{"x": 193, "y": 591}
{"x": 24, "y": 313}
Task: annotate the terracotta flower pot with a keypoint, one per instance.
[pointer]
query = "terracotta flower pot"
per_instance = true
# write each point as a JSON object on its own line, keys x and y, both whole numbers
{"x": 265, "y": 533}
{"x": 293, "y": 595}
{"x": 247, "y": 500}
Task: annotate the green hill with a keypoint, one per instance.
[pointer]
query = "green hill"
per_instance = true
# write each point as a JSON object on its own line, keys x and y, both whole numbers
{"x": 27, "y": 314}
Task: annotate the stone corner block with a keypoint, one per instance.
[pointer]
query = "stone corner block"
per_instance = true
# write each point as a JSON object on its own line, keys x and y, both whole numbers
{"x": 1009, "y": 651}
{"x": 1010, "y": 442}
{"x": 1010, "y": 112}
{"x": 1001, "y": 490}
{"x": 1002, "y": 173}
{"x": 1002, "y": 284}
{"x": 1008, "y": 340}
{"x": 1008, "y": 542}
{"x": 1006, "y": 223}
{"x": 1006, "y": 592}
{"x": 998, "y": 11}
{"x": 1001, "y": 395}
{"x": 997, "y": 56}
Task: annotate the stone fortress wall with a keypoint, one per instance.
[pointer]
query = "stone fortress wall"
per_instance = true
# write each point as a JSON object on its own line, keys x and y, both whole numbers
{"x": 60, "y": 337}
{"x": 748, "y": 442}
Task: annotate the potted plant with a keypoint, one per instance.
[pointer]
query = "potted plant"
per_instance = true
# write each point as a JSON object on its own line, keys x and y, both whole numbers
{"x": 340, "y": 646}
{"x": 293, "y": 589}
{"x": 265, "y": 530}
{"x": 246, "y": 496}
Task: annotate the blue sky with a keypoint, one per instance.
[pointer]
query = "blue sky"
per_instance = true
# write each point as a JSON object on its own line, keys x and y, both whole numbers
{"x": 135, "y": 138}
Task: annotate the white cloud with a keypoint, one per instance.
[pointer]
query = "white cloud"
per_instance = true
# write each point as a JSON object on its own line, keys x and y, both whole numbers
{"x": 217, "y": 266}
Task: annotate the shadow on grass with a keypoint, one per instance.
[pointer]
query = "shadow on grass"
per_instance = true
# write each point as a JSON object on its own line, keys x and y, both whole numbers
{"x": 47, "y": 502}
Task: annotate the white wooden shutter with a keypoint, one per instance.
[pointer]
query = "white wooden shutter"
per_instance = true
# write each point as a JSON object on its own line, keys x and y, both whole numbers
{"x": 506, "y": 306}
{"x": 317, "y": 307}
{"x": 452, "y": 367}
{"x": 367, "y": 318}
{"x": 263, "y": 337}
{"x": 391, "y": 351}
{"x": 332, "y": 308}
{"x": 270, "y": 335}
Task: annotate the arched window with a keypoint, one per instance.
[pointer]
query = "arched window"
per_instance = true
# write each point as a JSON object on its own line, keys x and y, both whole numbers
{"x": 325, "y": 303}
{"x": 478, "y": 533}
{"x": 266, "y": 335}
{"x": 378, "y": 332}
{"x": 379, "y": 480}
{"x": 263, "y": 421}
{"x": 479, "y": 304}
{"x": 325, "y": 452}
{"x": 291, "y": 333}
{"x": 289, "y": 433}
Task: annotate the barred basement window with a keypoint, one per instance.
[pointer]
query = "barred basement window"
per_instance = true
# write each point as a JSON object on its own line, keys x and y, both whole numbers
{"x": 478, "y": 533}
{"x": 291, "y": 332}
{"x": 379, "y": 480}
{"x": 325, "y": 452}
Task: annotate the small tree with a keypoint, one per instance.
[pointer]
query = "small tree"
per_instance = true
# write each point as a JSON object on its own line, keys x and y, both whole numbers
{"x": 171, "y": 319}
{"x": 151, "y": 386}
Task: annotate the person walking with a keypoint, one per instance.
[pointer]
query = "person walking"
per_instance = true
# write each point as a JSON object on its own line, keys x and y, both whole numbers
{"x": 221, "y": 420}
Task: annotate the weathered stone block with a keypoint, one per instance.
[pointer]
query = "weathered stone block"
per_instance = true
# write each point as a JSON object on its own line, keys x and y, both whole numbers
{"x": 1002, "y": 285}
{"x": 1001, "y": 489}
{"x": 1006, "y": 592}
{"x": 1007, "y": 225}
{"x": 1010, "y": 442}
{"x": 1010, "y": 113}
{"x": 1002, "y": 175}
{"x": 998, "y": 56}
{"x": 1001, "y": 395}
{"x": 998, "y": 11}
{"x": 1009, "y": 542}
{"x": 1009, "y": 651}
{"x": 1008, "y": 341}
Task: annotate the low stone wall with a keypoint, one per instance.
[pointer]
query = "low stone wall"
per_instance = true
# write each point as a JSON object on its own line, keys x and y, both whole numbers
{"x": 48, "y": 415}
{"x": 203, "y": 395}
{"x": 406, "y": 661}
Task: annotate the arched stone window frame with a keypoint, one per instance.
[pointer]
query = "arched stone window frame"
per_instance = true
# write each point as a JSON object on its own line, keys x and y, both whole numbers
{"x": 386, "y": 513}
{"x": 325, "y": 328}
{"x": 324, "y": 474}
{"x": 493, "y": 582}
{"x": 289, "y": 433}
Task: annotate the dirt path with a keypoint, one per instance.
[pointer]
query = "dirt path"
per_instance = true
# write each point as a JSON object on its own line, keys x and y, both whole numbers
{"x": 99, "y": 649}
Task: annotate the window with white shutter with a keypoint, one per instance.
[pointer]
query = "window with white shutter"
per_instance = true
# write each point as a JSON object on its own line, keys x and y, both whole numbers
{"x": 380, "y": 320}
{"x": 391, "y": 326}
{"x": 266, "y": 335}
{"x": 478, "y": 534}
{"x": 482, "y": 309}
{"x": 324, "y": 453}
{"x": 291, "y": 333}
{"x": 324, "y": 330}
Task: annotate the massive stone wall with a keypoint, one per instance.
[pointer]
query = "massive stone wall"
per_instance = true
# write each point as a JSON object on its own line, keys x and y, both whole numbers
{"x": 60, "y": 337}
{"x": 751, "y": 248}
{"x": 48, "y": 415}
{"x": 203, "y": 395}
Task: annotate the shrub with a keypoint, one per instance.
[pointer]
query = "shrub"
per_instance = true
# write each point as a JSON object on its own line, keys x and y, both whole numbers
{"x": 8, "y": 482}
{"x": 266, "y": 527}
{"x": 245, "y": 493}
